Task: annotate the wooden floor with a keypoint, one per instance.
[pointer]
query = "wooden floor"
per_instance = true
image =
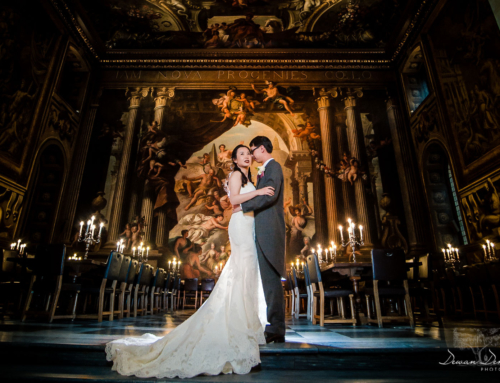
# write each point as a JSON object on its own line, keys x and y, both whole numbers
{"x": 74, "y": 351}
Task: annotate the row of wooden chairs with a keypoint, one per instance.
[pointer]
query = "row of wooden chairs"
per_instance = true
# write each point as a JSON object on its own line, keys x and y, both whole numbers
{"x": 310, "y": 293}
{"x": 126, "y": 288}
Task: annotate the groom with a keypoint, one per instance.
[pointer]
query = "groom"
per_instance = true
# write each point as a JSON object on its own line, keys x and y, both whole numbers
{"x": 270, "y": 235}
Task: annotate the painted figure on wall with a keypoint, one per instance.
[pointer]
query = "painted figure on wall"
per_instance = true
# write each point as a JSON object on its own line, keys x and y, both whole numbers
{"x": 466, "y": 49}
{"x": 273, "y": 95}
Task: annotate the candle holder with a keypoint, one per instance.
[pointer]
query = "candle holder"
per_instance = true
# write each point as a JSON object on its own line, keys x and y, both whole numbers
{"x": 451, "y": 257}
{"x": 352, "y": 240}
{"x": 89, "y": 238}
{"x": 19, "y": 247}
{"x": 142, "y": 253}
{"x": 174, "y": 266}
{"x": 489, "y": 251}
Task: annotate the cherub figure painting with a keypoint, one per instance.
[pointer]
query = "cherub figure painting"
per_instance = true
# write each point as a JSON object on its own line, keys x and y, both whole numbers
{"x": 273, "y": 94}
{"x": 248, "y": 103}
{"x": 306, "y": 132}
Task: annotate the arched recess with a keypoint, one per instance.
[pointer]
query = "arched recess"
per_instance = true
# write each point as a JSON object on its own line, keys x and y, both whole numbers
{"x": 441, "y": 193}
{"x": 318, "y": 13}
{"x": 46, "y": 184}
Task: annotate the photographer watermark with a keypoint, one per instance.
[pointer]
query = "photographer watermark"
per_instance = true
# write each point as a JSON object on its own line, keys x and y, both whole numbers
{"x": 480, "y": 341}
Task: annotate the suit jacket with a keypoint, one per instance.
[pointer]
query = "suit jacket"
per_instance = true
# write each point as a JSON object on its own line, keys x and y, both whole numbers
{"x": 270, "y": 217}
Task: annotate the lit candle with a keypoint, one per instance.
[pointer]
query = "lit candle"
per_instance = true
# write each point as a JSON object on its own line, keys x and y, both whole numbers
{"x": 100, "y": 229}
{"x": 335, "y": 250}
{"x": 93, "y": 220}
{"x": 147, "y": 254}
{"x": 361, "y": 232}
{"x": 88, "y": 227}
{"x": 93, "y": 228}
{"x": 18, "y": 243}
{"x": 456, "y": 251}
{"x": 169, "y": 262}
{"x": 349, "y": 220}
{"x": 221, "y": 265}
{"x": 333, "y": 243}
{"x": 302, "y": 265}
{"x": 133, "y": 251}
{"x": 341, "y": 235}
{"x": 215, "y": 269}
{"x": 485, "y": 253}
{"x": 12, "y": 246}
{"x": 444, "y": 253}
{"x": 493, "y": 249}
{"x": 81, "y": 228}
{"x": 117, "y": 246}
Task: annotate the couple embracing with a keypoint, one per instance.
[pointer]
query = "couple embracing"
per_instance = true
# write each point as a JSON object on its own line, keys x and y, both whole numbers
{"x": 246, "y": 307}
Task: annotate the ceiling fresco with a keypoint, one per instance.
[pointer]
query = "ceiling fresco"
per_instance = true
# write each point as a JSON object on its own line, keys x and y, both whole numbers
{"x": 245, "y": 24}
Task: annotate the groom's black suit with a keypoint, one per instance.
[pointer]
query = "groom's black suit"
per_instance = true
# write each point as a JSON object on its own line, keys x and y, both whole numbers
{"x": 270, "y": 240}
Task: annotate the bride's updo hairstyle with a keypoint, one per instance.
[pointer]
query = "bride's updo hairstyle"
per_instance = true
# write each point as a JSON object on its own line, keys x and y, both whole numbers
{"x": 244, "y": 179}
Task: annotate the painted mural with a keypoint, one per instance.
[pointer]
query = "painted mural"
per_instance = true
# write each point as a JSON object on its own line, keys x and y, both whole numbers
{"x": 236, "y": 24}
{"x": 27, "y": 44}
{"x": 466, "y": 49}
{"x": 180, "y": 159}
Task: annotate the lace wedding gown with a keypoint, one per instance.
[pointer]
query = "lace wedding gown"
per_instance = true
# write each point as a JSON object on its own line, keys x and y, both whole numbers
{"x": 222, "y": 336}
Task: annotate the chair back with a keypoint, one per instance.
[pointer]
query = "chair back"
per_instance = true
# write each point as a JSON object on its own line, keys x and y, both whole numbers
{"x": 294, "y": 276}
{"x": 168, "y": 282}
{"x": 145, "y": 275}
{"x": 124, "y": 270}
{"x": 113, "y": 266}
{"x": 160, "y": 280}
{"x": 494, "y": 272}
{"x": 191, "y": 284}
{"x": 306, "y": 275}
{"x": 8, "y": 267}
{"x": 207, "y": 284}
{"x": 290, "y": 280}
{"x": 49, "y": 260}
{"x": 314, "y": 270}
{"x": 389, "y": 265}
{"x": 132, "y": 273}
{"x": 154, "y": 280}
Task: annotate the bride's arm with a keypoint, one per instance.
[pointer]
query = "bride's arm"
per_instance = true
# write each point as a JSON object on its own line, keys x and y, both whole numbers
{"x": 234, "y": 190}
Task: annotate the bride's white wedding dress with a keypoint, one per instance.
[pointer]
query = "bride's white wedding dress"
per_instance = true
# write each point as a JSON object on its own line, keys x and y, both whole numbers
{"x": 222, "y": 336}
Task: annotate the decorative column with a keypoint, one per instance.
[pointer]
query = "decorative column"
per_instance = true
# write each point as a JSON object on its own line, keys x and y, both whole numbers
{"x": 135, "y": 98}
{"x": 347, "y": 194}
{"x": 161, "y": 99}
{"x": 329, "y": 157}
{"x": 353, "y": 123}
{"x": 318, "y": 181}
{"x": 147, "y": 211}
{"x": 411, "y": 187}
{"x": 72, "y": 191}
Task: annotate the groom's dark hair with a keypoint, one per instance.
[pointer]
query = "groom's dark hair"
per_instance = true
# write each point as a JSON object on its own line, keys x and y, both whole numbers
{"x": 264, "y": 141}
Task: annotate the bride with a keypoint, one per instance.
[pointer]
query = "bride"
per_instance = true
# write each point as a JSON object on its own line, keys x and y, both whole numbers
{"x": 225, "y": 333}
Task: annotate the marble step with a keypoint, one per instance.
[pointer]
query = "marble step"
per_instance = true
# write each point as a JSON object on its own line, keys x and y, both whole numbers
{"x": 288, "y": 356}
{"x": 85, "y": 374}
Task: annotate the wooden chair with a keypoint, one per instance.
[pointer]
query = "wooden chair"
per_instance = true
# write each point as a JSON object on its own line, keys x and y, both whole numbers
{"x": 480, "y": 288}
{"x": 156, "y": 291}
{"x": 128, "y": 292}
{"x": 167, "y": 290}
{"x": 493, "y": 269}
{"x": 288, "y": 294}
{"x": 176, "y": 292}
{"x": 388, "y": 267}
{"x": 47, "y": 283}
{"x": 207, "y": 286}
{"x": 107, "y": 289}
{"x": 190, "y": 291}
{"x": 122, "y": 284}
{"x": 309, "y": 292}
{"x": 300, "y": 293}
{"x": 292, "y": 291}
{"x": 320, "y": 293}
{"x": 13, "y": 283}
{"x": 421, "y": 289}
{"x": 140, "y": 294}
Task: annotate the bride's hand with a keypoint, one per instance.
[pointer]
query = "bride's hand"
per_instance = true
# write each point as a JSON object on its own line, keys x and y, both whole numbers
{"x": 268, "y": 190}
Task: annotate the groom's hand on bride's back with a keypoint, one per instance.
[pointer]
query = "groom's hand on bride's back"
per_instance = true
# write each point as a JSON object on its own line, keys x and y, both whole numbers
{"x": 268, "y": 190}
{"x": 236, "y": 208}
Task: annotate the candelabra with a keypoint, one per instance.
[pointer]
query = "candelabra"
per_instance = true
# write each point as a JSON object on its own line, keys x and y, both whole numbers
{"x": 174, "y": 266}
{"x": 19, "y": 247}
{"x": 489, "y": 251}
{"x": 330, "y": 254}
{"x": 451, "y": 257}
{"x": 353, "y": 239}
{"x": 89, "y": 237}
{"x": 142, "y": 253}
